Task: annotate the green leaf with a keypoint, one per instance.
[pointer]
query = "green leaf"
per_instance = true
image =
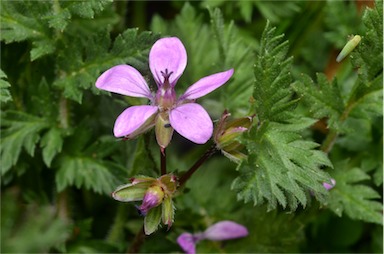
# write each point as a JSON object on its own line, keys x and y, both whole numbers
{"x": 21, "y": 21}
{"x": 52, "y": 143}
{"x": 86, "y": 9}
{"x": 323, "y": 99}
{"x": 367, "y": 57}
{"x": 366, "y": 95}
{"x": 82, "y": 63}
{"x": 152, "y": 220}
{"x": 233, "y": 52}
{"x": 342, "y": 20}
{"x": 357, "y": 200}
{"x": 30, "y": 228}
{"x": 19, "y": 130}
{"x": 86, "y": 172}
{"x": 5, "y": 95}
{"x": 33, "y": 21}
{"x": 272, "y": 91}
{"x": 281, "y": 169}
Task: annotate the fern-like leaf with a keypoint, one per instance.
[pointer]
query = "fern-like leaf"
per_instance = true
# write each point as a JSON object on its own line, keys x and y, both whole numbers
{"x": 323, "y": 98}
{"x": 352, "y": 197}
{"x": 5, "y": 95}
{"x": 281, "y": 169}
{"x": 272, "y": 92}
{"x": 78, "y": 66}
{"x": 19, "y": 130}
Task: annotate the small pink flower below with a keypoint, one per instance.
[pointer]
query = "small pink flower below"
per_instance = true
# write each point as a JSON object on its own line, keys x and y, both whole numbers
{"x": 221, "y": 231}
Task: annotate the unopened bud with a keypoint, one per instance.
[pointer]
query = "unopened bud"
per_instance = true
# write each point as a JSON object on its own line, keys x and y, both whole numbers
{"x": 152, "y": 198}
{"x": 226, "y": 134}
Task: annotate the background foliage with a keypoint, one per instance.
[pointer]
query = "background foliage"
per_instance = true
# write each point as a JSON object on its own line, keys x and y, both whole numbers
{"x": 314, "y": 119}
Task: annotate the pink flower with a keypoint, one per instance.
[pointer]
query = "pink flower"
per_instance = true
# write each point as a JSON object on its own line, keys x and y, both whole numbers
{"x": 223, "y": 230}
{"x": 167, "y": 61}
{"x": 331, "y": 185}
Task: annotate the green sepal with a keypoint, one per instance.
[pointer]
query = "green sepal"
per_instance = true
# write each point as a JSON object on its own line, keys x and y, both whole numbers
{"x": 168, "y": 212}
{"x": 152, "y": 220}
{"x": 170, "y": 183}
{"x": 131, "y": 192}
{"x": 163, "y": 130}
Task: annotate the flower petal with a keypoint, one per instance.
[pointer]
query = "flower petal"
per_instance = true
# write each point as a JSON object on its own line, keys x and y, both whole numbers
{"x": 124, "y": 79}
{"x": 187, "y": 242}
{"x": 167, "y": 54}
{"x": 225, "y": 230}
{"x": 329, "y": 186}
{"x": 206, "y": 85}
{"x": 135, "y": 120}
{"x": 192, "y": 122}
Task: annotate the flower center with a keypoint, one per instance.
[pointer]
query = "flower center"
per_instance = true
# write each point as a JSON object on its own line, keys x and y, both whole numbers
{"x": 165, "y": 96}
{"x": 166, "y": 76}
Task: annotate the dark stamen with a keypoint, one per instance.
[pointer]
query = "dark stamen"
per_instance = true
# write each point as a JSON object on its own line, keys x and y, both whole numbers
{"x": 166, "y": 75}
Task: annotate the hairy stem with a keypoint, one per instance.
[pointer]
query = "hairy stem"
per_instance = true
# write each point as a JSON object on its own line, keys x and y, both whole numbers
{"x": 211, "y": 151}
{"x": 137, "y": 242}
{"x": 63, "y": 113}
{"x": 62, "y": 197}
{"x": 163, "y": 161}
{"x": 62, "y": 205}
{"x": 333, "y": 134}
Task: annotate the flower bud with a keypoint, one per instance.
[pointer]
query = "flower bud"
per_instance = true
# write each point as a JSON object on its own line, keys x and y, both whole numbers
{"x": 226, "y": 134}
{"x": 331, "y": 185}
{"x": 152, "y": 198}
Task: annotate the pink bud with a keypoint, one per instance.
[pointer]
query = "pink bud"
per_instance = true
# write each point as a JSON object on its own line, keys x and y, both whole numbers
{"x": 152, "y": 198}
{"x": 330, "y": 186}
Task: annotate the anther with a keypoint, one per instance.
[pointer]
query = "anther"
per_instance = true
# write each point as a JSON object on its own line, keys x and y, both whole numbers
{"x": 166, "y": 75}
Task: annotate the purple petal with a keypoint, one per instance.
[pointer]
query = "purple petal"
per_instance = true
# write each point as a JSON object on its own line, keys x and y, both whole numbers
{"x": 330, "y": 186}
{"x": 207, "y": 85}
{"x": 187, "y": 242}
{"x": 192, "y": 122}
{"x": 225, "y": 230}
{"x": 167, "y": 54}
{"x": 135, "y": 120}
{"x": 124, "y": 79}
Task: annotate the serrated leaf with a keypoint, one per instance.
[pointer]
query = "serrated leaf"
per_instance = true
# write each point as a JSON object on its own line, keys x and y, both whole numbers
{"x": 86, "y": 172}
{"x": 19, "y": 130}
{"x": 20, "y": 21}
{"x": 31, "y": 20}
{"x": 272, "y": 91}
{"x": 281, "y": 169}
{"x": 323, "y": 98}
{"x": 367, "y": 57}
{"x": 86, "y": 9}
{"x": 366, "y": 94}
{"x": 79, "y": 70}
{"x": 52, "y": 143}
{"x": 5, "y": 95}
{"x": 355, "y": 199}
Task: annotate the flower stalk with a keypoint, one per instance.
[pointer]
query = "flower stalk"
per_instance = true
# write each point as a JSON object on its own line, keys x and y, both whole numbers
{"x": 184, "y": 178}
{"x": 163, "y": 162}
